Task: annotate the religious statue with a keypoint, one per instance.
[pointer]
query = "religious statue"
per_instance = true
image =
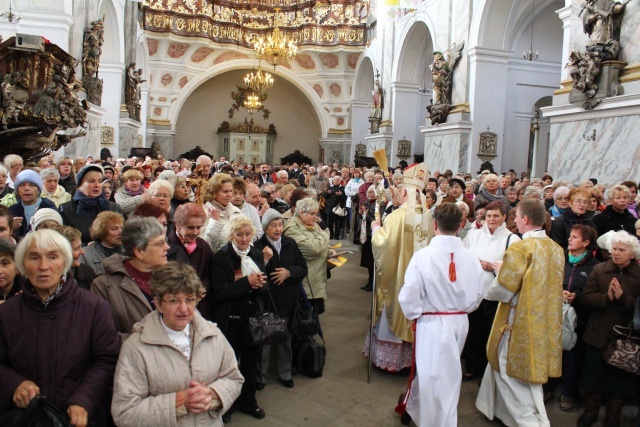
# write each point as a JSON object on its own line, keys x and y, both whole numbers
{"x": 14, "y": 98}
{"x": 132, "y": 91}
{"x": 92, "y": 48}
{"x": 601, "y": 21}
{"x": 442, "y": 76}
{"x": 377, "y": 102}
{"x": 198, "y": 182}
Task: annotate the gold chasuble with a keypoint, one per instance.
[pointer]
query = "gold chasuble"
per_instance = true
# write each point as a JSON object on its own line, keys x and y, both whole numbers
{"x": 532, "y": 268}
{"x": 393, "y": 246}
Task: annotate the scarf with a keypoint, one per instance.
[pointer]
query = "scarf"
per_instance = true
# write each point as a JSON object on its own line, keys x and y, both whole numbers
{"x": 140, "y": 278}
{"x": 631, "y": 207}
{"x": 247, "y": 265}
{"x": 134, "y": 193}
{"x": 107, "y": 251}
{"x": 573, "y": 259}
{"x": 30, "y": 210}
{"x": 224, "y": 210}
{"x": 90, "y": 206}
{"x": 189, "y": 247}
{"x": 490, "y": 197}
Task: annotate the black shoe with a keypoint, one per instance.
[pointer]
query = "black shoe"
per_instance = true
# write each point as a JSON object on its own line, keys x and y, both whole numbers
{"x": 405, "y": 419}
{"x": 287, "y": 383}
{"x": 260, "y": 386}
{"x": 367, "y": 288}
{"x": 254, "y": 410}
{"x": 226, "y": 418}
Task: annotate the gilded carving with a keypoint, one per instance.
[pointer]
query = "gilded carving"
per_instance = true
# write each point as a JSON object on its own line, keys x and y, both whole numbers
{"x": 106, "y": 135}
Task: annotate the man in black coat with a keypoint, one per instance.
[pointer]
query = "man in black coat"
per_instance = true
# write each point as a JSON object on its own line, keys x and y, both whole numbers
{"x": 286, "y": 270}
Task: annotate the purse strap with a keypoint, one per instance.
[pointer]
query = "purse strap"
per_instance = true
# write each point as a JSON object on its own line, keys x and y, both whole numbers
{"x": 310, "y": 288}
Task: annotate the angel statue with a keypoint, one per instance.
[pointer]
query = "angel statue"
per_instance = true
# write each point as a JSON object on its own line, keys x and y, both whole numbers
{"x": 442, "y": 73}
{"x": 601, "y": 22}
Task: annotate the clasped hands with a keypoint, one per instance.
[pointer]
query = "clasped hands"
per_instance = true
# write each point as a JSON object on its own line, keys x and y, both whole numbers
{"x": 615, "y": 290}
{"x": 197, "y": 398}
{"x": 27, "y": 390}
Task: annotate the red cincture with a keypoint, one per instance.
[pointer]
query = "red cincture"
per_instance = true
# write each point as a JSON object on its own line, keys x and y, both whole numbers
{"x": 452, "y": 270}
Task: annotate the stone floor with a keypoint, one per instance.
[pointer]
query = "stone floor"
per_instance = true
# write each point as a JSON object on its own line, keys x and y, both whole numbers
{"x": 342, "y": 396}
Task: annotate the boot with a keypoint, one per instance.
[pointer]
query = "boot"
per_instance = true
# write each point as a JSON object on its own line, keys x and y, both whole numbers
{"x": 591, "y": 409}
{"x": 613, "y": 411}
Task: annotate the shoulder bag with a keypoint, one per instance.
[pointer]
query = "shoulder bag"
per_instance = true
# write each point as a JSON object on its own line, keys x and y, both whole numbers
{"x": 304, "y": 320}
{"x": 339, "y": 210}
{"x": 267, "y": 327}
{"x": 623, "y": 351}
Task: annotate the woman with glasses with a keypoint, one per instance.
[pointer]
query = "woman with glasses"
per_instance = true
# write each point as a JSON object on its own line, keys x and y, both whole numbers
{"x": 126, "y": 282}
{"x": 176, "y": 368}
{"x": 575, "y": 213}
{"x": 181, "y": 192}
{"x": 132, "y": 193}
{"x": 314, "y": 245}
{"x": 560, "y": 201}
{"x": 161, "y": 192}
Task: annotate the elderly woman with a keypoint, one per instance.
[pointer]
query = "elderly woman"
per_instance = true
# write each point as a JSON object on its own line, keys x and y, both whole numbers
{"x": 4, "y": 186}
{"x": 632, "y": 207}
{"x": 560, "y": 201}
{"x": 489, "y": 191}
{"x": 106, "y": 232}
{"x": 107, "y": 189}
{"x": 181, "y": 192}
{"x": 52, "y": 190}
{"x": 314, "y": 245}
{"x": 45, "y": 218}
{"x": 67, "y": 176}
{"x": 237, "y": 280}
{"x": 575, "y": 213}
{"x": 610, "y": 294}
{"x": 125, "y": 283}
{"x": 28, "y": 187}
{"x": 150, "y": 210}
{"x": 616, "y": 216}
{"x": 489, "y": 244}
{"x": 220, "y": 210}
{"x": 83, "y": 273}
{"x": 176, "y": 369}
{"x": 161, "y": 192}
{"x": 132, "y": 193}
{"x": 362, "y": 190}
{"x": 189, "y": 220}
{"x": 88, "y": 201}
{"x": 70, "y": 358}
{"x": 10, "y": 280}
{"x": 335, "y": 197}
{"x": 286, "y": 269}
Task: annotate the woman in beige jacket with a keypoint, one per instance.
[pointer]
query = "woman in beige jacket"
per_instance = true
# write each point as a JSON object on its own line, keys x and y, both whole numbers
{"x": 176, "y": 368}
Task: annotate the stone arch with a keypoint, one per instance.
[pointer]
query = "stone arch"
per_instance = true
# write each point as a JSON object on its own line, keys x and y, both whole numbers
{"x": 113, "y": 46}
{"x": 416, "y": 44}
{"x": 363, "y": 84}
{"x": 306, "y": 90}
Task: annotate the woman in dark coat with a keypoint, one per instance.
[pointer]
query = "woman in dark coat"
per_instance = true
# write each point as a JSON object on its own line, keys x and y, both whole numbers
{"x": 56, "y": 339}
{"x": 189, "y": 219}
{"x": 368, "y": 209}
{"x": 286, "y": 268}
{"x": 610, "y": 294}
{"x": 334, "y": 196}
{"x": 616, "y": 216}
{"x": 237, "y": 279}
{"x": 576, "y": 213}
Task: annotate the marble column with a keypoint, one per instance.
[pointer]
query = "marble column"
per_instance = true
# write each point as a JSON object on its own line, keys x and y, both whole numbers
{"x": 89, "y": 144}
{"x": 112, "y": 76}
{"x": 128, "y": 136}
{"x": 336, "y": 150}
{"x": 377, "y": 141}
{"x": 165, "y": 137}
{"x": 446, "y": 146}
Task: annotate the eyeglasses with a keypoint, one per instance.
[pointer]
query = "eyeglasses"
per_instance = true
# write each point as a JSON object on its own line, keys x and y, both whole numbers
{"x": 159, "y": 244}
{"x": 175, "y": 303}
{"x": 313, "y": 213}
{"x": 562, "y": 199}
{"x": 161, "y": 196}
{"x": 581, "y": 202}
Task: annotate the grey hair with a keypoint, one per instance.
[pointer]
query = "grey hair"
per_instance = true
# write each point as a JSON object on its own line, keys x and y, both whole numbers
{"x": 161, "y": 183}
{"x": 312, "y": 192}
{"x": 463, "y": 207}
{"x": 176, "y": 180}
{"x": 166, "y": 174}
{"x": 561, "y": 191}
{"x": 306, "y": 205}
{"x": 536, "y": 181}
{"x": 396, "y": 175}
{"x": 44, "y": 240}
{"x": 10, "y": 159}
{"x": 3, "y": 169}
{"x": 282, "y": 172}
{"x": 626, "y": 239}
{"x": 201, "y": 158}
{"x": 175, "y": 277}
{"x": 137, "y": 233}
{"x": 532, "y": 192}
{"x": 367, "y": 174}
{"x": 46, "y": 173}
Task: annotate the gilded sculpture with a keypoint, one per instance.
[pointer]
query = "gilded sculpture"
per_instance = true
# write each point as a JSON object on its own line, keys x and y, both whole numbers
{"x": 91, "y": 52}
{"x": 377, "y": 104}
{"x": 442, "y": 77}
{"x": 133, "y": 91}
{"x": 594, "y": 71}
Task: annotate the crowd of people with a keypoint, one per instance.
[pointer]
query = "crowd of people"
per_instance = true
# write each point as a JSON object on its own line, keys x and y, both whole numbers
{"x": 147, "y": 263}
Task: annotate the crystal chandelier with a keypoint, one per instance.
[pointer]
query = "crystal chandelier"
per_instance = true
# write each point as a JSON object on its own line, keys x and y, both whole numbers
{"x": 252, "y": 102}
{"x": 531, "y": 55}
{"x": 259, "y": 81}
{"x": 277, "y": 48}
{"x": 9, "y": 16}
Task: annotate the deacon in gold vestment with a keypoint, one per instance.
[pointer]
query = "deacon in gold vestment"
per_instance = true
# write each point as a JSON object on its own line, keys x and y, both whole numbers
{"x": 525, "y": 345}
{"x": 405, "y": 231}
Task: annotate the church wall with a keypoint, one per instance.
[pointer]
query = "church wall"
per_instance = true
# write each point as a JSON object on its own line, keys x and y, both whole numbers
{"x": 208, "y": 105}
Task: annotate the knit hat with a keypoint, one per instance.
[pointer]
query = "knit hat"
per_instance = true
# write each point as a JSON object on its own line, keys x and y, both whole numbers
{"x": 270, "y": 215}
{"x": 88, "y": 168}
{"x": 45, "y": 214}
{"x": 107, "y": 165}
{"x": 28, "y": 175}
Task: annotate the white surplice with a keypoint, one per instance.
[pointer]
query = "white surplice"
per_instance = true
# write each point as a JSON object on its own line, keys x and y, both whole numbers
{"x": 516, "y": 403}
{"x": 434, "y": 395}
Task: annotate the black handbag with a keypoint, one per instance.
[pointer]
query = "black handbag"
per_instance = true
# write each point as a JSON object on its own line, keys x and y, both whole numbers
{"x": 304, "y": 320}
{"x": 267, "y": 327}
{"x": 41, "y": 413}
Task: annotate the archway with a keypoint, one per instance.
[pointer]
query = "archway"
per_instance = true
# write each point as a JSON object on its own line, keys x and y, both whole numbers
{"x": 207, "y": 105}
{"x": 360, "y": 105}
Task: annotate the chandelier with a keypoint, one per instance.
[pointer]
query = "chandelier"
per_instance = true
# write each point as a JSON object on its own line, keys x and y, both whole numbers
{"x": 9, "y": 16}
{"x": 258, "y": 82}
{"x": 252, "y": 102}
{"x": 531, "y": 55}
{"x": 277, "y": 48}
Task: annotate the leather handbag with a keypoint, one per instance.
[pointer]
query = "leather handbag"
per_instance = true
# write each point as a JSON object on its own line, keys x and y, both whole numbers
{"x": 339, "y": 210}
{"x": 267, "y": 327}
{"x": 623, "y": 351}
{"x": 41, "y": 413}
{"x": 304, "y": 320}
